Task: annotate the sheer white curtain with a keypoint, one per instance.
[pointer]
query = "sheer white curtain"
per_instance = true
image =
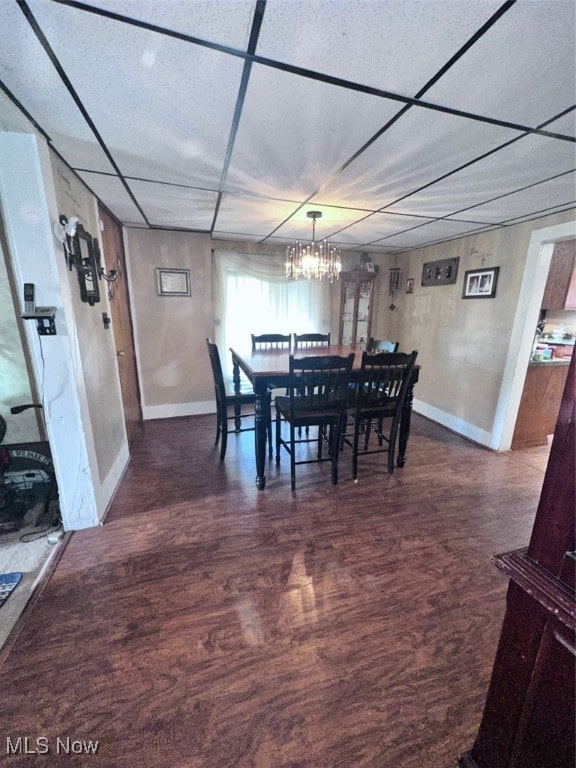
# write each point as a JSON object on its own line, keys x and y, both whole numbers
{"x": 253, "y": 295}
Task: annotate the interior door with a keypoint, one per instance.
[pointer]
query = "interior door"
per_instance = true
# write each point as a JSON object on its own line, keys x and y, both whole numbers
{"x": 114, "y": 258}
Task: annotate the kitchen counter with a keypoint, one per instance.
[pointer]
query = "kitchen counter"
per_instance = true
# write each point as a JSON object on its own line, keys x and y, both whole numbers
{"x": 555, "y": 361}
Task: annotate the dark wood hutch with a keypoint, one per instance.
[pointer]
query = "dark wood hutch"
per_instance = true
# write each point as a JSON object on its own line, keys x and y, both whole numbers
{"x": 529, "y": 716}
{"x": 356, "y": 305}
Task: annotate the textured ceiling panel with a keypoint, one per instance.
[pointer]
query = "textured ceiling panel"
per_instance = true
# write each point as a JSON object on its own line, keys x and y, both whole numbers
{"x": 524, "y": 162}
{"x": 565, "y": 125}
{"x": 392, "y": 45}
{"x": 430, "y": 233}
{"x": 332, "y": 219}
{"x": 303, "y": 124}
{"x": 220, "y": 21}
{"x": 178, "y": 207}
{"x": 377, "y": 226}
{"x": 284, "y": 114}
{"x": 492, "y": 78}
{"x": 560, "y": 191}
{"x": 548, "y": 212}
{"x": 41, "y": 91}
{"x": 117, "y": 200}
{"x": 172, "y": 121}
{"x": 244, "y": 215}
{"x": 11, "y": 118}
{"x": 413, "y": 152}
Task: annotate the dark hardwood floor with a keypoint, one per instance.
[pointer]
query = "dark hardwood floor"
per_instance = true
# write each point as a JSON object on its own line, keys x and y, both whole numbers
{"x": 209, "y": 625}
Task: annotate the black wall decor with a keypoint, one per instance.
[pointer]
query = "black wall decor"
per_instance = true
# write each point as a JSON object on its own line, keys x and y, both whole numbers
{"x": 85, "y": 262}
{"x": 442, "y": 272}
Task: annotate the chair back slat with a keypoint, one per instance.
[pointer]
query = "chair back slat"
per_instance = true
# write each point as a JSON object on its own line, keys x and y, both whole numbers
{"x": 271, "y": 341}
{"x": 382, "y": 345}
{"x": 304, "y": 340}
{"x": 384, "y": 379}
{"x": 319, "y": 382}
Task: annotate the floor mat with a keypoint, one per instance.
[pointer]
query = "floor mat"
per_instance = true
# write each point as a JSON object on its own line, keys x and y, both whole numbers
{"x": 8, "y": 583}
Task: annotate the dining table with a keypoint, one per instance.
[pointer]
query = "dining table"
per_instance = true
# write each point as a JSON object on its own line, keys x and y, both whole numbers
{"x": 271, "y": 367}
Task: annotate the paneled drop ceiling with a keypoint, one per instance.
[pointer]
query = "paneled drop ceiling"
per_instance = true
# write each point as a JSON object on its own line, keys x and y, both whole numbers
{"x": 406, "y": 122}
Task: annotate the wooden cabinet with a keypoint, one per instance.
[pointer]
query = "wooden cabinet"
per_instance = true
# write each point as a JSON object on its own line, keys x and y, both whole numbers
{"x": 529, "y": 716}
{"x": 560, "y": 290}
{"x": 539, "y": 405}
{"x": 356, "y": 305}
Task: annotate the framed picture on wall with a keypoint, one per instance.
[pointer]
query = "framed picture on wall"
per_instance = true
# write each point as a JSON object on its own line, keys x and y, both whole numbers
{"x": 441, "y": 272}
{"x": 480, "y": 283}
{"x": 173, "y": 282}
{"x": 410, "y": 285}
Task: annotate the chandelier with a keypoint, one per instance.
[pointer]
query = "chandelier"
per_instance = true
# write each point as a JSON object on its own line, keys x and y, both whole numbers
{"x": 312, "y": 259}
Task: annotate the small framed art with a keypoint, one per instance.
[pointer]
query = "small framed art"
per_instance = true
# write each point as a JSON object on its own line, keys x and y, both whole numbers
{"x": 173, "y": 282}
{"x": 480, "y": 283}
{"x": 410, "y": 285}
{"x": 442, "y": 272}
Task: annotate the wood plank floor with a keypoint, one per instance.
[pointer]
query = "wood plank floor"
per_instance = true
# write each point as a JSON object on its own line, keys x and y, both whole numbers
{"x": 209, "y": 625}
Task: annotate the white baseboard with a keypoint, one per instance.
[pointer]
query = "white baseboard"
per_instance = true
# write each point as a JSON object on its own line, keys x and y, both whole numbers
{"x": 452, "y": 423}
{"x": 113, "y": 478}
{"x": 169, "y": 410}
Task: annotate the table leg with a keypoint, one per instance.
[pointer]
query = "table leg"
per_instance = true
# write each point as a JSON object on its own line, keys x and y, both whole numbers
{"x": 262, "y": 411}
{"x": 236, "y": 383}
{"x": 405, "y": 426}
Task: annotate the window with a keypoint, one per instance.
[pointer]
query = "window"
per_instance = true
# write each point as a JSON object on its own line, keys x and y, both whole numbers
{"x": 254, "y": 296}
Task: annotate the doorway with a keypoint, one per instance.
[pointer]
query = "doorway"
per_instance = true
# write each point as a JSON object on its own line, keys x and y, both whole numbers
{"x": 119, "y": 297}
{"x": 536, "y": 270}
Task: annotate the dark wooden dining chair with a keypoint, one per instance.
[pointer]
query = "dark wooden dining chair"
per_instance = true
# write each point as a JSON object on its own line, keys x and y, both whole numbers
{"x": 378, "y": 398}
{"x": 381, "y": 345}
{"x": 271, "y": 341}
{"x": 227, "y": 398}
{"x": 317, "y": 398}
{"x": 306, "y": 340}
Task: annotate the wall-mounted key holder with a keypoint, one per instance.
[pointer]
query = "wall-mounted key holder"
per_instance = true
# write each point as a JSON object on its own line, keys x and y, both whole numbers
{"x": 45, "y": 321}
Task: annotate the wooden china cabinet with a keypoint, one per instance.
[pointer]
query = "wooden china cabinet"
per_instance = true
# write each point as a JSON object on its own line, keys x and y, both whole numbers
{"x": 529, "y": 715}
{"x": 356, "y": 305}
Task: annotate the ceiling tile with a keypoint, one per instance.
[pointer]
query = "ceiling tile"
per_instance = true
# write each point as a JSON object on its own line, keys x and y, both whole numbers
{"x": 395, "y": 46}
{"x": 419, "y": 148}
{"x": 557, "y": 192}
{"x": 295, "y": 132}
{"x": 433, "y": 232}
{"x": 524, "y": 162}
{"x": 377, "y": 226}
{"x": 226, "y": 22}
{"x": 565, "y": 125}
{"x": 179, "y": 98}
{"x": 492, "y": 77}
{"x": 165, "y": 109}
{"x": 254, "y": 216}
{"x": 547, "y": 212}
{"x": 178, "y": 207}
{"x": 111, "y": 192}
{"x": 42, "y": 93}
{"x": 11, "y": 118}
{"x": 329, "y": 224}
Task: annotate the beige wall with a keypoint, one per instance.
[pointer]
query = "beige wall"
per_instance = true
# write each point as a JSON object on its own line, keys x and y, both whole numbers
{"x": 171, "y": 331}
{"x": 462, "y": 344}
{"x": 96, "y": 343}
